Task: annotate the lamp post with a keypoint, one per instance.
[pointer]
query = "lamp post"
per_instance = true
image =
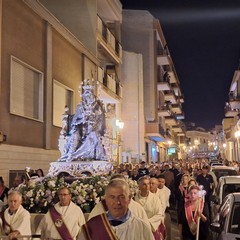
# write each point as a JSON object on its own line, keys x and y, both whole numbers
{"x": 119, "y": 126}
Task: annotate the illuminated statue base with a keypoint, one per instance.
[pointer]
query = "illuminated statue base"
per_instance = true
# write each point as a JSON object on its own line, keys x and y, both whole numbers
{"x": 80, "y": 168}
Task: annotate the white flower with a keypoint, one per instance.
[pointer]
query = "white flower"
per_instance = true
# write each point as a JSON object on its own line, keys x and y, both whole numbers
{"x": 51, "y": 183}
{"x": 29, "y": 194}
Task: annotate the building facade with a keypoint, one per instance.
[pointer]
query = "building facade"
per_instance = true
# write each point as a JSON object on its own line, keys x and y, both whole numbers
{"x": 231, "y": 122}
{"x": 162, "y": 97}
{"x": 47, "y": 50}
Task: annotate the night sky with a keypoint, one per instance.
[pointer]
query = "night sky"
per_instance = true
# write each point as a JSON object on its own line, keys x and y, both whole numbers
{"x": 204, "y": 42}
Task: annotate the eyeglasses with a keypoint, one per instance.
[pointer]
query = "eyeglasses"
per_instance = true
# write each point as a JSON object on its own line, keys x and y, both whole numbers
{"x": 63, "y": 194}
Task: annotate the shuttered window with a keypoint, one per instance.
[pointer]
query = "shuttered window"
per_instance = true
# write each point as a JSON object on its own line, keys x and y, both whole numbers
{"x": 26, "y": 93}
{"x": 62, "y": 96}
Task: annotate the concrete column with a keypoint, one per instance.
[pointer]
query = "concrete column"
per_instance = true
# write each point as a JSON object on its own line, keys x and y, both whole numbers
{"x": 49, "y": 87}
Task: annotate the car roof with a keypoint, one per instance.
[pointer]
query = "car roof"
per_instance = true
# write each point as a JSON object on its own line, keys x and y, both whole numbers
{"x": 236, "y": 196}
{"x": 222, "y": 167}
{"x": 230, "y": 179}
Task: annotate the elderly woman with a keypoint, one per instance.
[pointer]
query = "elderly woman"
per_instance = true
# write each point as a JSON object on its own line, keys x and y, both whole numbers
{"x": 194, "y": 212}
{"x": 181, "y": 192}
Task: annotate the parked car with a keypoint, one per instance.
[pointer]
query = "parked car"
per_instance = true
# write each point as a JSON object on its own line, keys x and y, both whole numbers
{"x": 226, "y": 185}
{"x": 228, "y": 226}
{"x": 219, "y": 171}
{"x": 216, "y": 164}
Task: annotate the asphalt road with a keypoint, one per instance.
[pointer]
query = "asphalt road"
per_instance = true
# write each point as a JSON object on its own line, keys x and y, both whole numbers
{"x": 174, "y": 226}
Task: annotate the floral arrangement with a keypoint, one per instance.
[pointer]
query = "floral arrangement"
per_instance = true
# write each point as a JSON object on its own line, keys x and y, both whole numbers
{"x": 41, "y": 193}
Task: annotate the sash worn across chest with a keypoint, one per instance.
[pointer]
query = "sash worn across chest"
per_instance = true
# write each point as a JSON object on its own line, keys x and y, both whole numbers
{"x": 183, "y": 190}
{"x": 5, "y": 223}
{"x": 2, "y": 191}
{"x": 103, "y": 231}
{"x": 192, "y": 219}
{"x": 60, "y": 225}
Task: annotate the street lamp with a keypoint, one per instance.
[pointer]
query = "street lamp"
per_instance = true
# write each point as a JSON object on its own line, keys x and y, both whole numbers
{"x": 119, "y": 126}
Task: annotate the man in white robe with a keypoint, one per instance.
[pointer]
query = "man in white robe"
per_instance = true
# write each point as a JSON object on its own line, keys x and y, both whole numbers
{"x": 157, "y": 186}
{"x": 70, "y": 216}
{"x": 135, "y": 208}
{"x": 117, "y": 222}
{"x": 164, "y": 191}
{"x": 150, "y": 203}
{"x": 15, "y": 221}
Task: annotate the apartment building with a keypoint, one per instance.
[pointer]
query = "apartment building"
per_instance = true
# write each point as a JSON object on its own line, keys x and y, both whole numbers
{"x": 47, "y": 49}
{"x": 231, "y": 122}
{"x": 161, "y": 99}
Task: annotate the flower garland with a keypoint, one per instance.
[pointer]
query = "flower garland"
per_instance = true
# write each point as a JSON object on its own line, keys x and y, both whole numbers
{"x": 41, "y": 193}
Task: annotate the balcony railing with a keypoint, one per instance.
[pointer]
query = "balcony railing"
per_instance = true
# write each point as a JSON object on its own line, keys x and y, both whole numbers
{"x": 170, "y": 96}
{"x": 162, "y": 50}
{"x": 108, "y": 37}
{"x": 110, "y": 82}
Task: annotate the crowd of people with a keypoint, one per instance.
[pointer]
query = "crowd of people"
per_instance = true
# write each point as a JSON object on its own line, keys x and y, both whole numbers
{"x": 163, "y": 187}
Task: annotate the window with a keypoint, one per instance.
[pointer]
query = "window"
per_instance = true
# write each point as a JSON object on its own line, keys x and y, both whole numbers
{"x": 234, "y": 226}
{"x": 26, "y": 91}
{"x": 224, "y": 211}
{"x": 62, "y": 96}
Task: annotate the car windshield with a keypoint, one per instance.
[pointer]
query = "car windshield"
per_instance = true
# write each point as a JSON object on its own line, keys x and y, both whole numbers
{"x": 224, "y": 172}
{"x": 234, "y": 226}
{"x": 230, "y": 188}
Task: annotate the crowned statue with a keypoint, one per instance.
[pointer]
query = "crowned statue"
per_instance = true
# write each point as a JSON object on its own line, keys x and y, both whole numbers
{"x": 84, "y": 131}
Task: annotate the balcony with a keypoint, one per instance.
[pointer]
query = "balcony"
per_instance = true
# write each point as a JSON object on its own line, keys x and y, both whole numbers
{"x": 172, "y": 77}
{"x": 162, "y": 55}
{"x": 155, "y": 132}
{"x": 177, "y": 108}
{"x": 164, "y": 83}
{"x": 108, "y": 46}
{"x": 164, "y": 111}
{"x": 234, "y": 101}
{"x": 111, "y": 89}
{"x": 170, "y": 96}
{"x": 230, "y": 112}
{"x": 177, "y": 129}
{"x": 171, "y": 120}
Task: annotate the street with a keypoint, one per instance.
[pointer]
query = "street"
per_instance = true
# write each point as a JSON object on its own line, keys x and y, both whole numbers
{"x": 174, "y": 226}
